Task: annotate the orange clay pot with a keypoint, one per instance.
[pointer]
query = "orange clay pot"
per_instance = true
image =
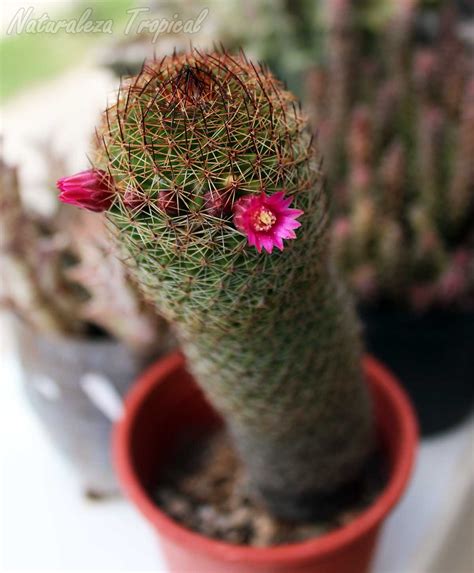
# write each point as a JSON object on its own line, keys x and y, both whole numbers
{"x": 166, "y": 405}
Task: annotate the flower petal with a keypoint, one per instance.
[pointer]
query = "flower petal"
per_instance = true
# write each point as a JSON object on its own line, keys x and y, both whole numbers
{"x": 266, "y": 220}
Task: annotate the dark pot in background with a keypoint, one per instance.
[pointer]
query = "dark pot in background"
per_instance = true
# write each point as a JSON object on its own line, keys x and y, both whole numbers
{"x": 75, "y": 387}
{"x": 433, "y": 356}
{"x": 166, "y": 406}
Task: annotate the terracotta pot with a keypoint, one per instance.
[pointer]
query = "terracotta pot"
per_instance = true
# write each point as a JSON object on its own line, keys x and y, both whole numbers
{"x": 165, "y": 406}
{"x": 431, "y": 353}
{"x": 75, "y": 387}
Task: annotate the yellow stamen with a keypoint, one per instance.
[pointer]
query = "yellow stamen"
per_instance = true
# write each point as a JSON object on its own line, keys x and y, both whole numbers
{"x": 264, "y": 219}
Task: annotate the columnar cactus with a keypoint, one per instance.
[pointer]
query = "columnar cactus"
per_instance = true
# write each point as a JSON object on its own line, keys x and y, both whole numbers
{"x": 399, "y": 156}
{"x": 21, "y": 246}
{"x": 113, "y": 301}
{"x": 204, "y": 153}
{"x": 59, "y": 275}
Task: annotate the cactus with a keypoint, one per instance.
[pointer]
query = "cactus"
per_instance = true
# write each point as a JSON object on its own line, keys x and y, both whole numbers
{"x": 205, "y": 152}
{"x": 21, "y": 245}
{"x": 407, "y": 123}
{"x": 113, "y": 301}
{"x": 51, "y": 279}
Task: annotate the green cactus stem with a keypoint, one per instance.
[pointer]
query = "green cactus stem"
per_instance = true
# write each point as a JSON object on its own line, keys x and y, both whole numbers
{"x": 271, "y": 338}
{"x": 113, "y": 301}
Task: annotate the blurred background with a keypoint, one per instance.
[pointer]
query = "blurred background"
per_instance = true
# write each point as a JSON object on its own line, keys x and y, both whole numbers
{"x": 388, "y": 86}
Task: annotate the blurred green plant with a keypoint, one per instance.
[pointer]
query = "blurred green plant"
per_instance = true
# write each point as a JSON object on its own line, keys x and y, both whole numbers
{"x": 396, "y": 121}
{"x": 28, "y": 58}
{"x": 285, "y": 34}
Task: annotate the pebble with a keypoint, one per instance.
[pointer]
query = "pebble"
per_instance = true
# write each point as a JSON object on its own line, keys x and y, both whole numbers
{"x": 213, "y": 500}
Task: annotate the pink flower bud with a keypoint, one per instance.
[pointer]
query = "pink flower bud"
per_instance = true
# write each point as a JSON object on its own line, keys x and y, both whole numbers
{"x": 168, "y": 201}
{"x": 92, "y": 190}
{"x": 218, "y": 203}
{"x": 134, "y": 200}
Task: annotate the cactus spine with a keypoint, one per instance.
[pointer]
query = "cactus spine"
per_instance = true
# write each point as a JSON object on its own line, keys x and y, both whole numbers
{"x": 271, "y": 338}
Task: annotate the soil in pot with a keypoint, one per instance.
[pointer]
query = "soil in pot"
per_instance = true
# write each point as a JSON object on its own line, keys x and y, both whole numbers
{"x": 204, "y": 489}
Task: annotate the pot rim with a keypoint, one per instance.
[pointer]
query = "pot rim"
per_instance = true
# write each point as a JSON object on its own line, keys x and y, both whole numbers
{"x": 281, "y": 554}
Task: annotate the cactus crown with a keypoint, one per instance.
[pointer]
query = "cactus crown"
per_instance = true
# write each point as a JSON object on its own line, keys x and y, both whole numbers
{"x": 188, "y": 137}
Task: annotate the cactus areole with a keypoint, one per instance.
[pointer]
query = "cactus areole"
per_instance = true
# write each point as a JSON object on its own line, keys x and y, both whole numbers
{"x": 221, "y": 214}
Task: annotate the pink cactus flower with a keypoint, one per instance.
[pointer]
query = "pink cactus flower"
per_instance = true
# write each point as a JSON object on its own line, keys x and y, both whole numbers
{"x": 266, "y": 220}
{"x": 92, "y": 190}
